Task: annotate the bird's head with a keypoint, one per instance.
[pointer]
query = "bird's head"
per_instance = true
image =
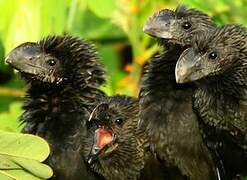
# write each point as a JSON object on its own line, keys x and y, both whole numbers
{"x": 29, "y": 59}
{"x": 177, "y": 26}
{"x": 212, "y": 54}
{"x": 110, "y": 118}
{"x": 58, "y": 59}
{"x": 113, "y": 141}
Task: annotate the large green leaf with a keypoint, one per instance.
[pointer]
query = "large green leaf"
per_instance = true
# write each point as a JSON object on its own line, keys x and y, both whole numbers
{"x": 31, "y": 166}
{"x": 6, "y": 163}
{"x": 18, "y": 174}
{"x": 21, "y": 156}
{"x": 28, "y": 165}
{"x": 23, "y": 145}
{"x": 5, "y": 176}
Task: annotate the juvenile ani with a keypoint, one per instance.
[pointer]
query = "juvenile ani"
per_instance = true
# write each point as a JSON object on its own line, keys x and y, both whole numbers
{"x": 216, "y": 63}
{"x": 115, "y": 147}
{"x": 166, "y": 107}
{"x": 63, "y": 76}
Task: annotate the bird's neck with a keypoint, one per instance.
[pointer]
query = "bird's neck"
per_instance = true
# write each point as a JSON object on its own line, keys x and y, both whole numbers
{"x": 232, "y": 83}
{"x": 52, "y": 107}
{"x": 161, "y": 70}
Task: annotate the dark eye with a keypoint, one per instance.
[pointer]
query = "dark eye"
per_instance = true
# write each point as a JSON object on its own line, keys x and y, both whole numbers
{"x": 212, "y": 55}
{"x": 51, "y": 62}
{"x": 186, "y": 25}
{"x": 119, "y": 121}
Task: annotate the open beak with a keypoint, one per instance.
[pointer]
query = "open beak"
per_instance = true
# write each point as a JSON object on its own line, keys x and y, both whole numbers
{"x": 159, "y": 24}
{"x": 93, "y": 156}
{"x": 97, "y": 150}
{"x": 104, "y": 138}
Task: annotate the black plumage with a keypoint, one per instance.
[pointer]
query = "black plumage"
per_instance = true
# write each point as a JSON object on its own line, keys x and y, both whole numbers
{"x": 112, "y": 146}
{"x": 217, "y": 64}
{"x": 166, "y": 107}
{"x": 115, "y": 148}
{"x": 63, "y": 75}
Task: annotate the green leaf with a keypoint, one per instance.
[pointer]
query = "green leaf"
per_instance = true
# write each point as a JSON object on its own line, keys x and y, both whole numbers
{"x": 103, "y": 9}
{"x": 5, "y": 176}
{"x": 5, "y": 163}
{"x": 32, "y": 166}
{"x": 21, "y": 156}
{"x": 23, "y": 145}
{"x": 20, "y": 174}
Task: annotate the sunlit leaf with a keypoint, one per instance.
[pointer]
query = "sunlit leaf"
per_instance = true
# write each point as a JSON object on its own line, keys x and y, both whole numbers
{"x": 20, "y": 175}
{"x": 23, "y": 145}
{"x": 31, "y": 166}
{"x": 5, "y": 163}
{"x": 5, "y": 176}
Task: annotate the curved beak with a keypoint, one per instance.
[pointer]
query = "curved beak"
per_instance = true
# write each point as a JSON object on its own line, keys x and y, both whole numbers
{"x": 159, "y": 25}
{"x": 189, "y": 67}
{"x": 20, "y": 57}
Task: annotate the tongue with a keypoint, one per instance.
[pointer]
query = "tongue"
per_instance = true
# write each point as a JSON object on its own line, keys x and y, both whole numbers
{"x": 104, "y": 137}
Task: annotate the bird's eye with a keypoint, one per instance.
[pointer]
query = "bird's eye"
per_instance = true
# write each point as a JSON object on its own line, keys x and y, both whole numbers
{"x": 51, "y": 62}
{"x": 119, "y": 121}
{"x": 212, "y": 55}
{"x": 186, "y": 25}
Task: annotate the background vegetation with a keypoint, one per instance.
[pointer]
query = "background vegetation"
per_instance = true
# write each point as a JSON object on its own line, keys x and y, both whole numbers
{"x": 115, "y": 26}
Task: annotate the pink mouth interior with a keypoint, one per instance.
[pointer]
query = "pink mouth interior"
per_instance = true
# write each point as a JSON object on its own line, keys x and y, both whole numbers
{"x": 104, "y": 137}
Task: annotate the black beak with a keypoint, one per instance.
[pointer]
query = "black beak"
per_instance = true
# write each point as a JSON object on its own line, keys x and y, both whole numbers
{"x": 159, "y": 24}
{"x": 20, "y": 57}
{"x": 189, "y": 67}
{"x": 97, "y": 117}
{"x": 93, "y": 156}
{"x": 96, "y": 151}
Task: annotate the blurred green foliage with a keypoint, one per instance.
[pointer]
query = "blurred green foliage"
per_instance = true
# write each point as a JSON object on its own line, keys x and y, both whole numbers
{"x": 115, "y": 26}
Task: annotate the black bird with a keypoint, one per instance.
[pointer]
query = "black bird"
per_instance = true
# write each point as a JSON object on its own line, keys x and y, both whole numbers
{"x": 63, "y": 75}
{"x": 112, "y": 146}
{"x": 115, "y": 148}
{"x": 217, "y": 64}
{"x": 166, "y": 107}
